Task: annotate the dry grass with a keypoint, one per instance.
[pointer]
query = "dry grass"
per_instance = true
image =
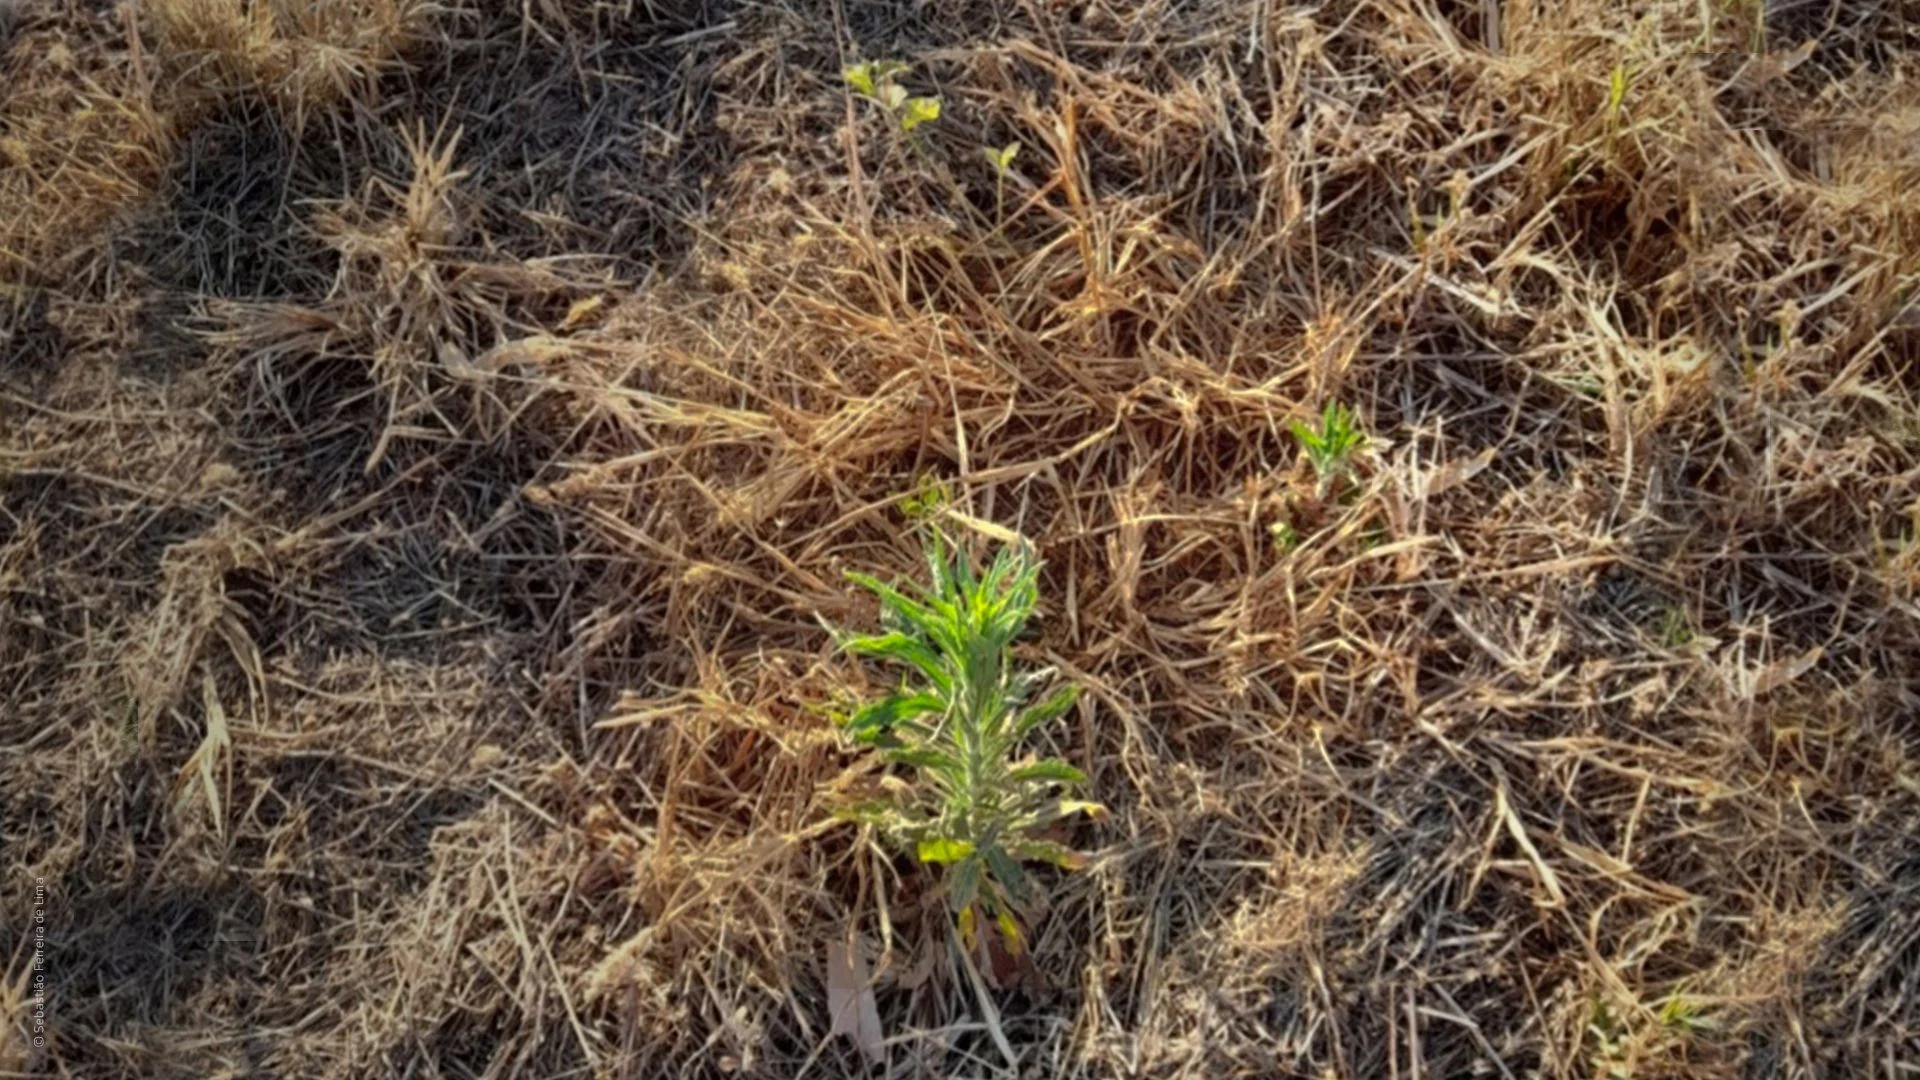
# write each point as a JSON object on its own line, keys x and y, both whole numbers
{"x": 431, "y": 435}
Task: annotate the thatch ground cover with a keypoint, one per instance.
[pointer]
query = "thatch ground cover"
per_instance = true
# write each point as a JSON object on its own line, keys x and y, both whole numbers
{"x": 432, "y": 435}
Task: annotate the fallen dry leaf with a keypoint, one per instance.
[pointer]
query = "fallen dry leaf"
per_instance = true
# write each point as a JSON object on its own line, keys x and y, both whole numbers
{"x": 850, "y": 997}
{"x": 1781, "y": 672}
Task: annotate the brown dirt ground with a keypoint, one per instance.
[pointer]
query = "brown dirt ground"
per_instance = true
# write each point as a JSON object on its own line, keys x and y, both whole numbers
{"x": 431, "y": 435}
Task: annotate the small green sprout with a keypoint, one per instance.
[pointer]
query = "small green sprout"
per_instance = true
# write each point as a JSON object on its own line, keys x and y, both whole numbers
{"x": 1610, "y": 1054}
{"x": 1285, "y": 536}
{"x": 867, "y": 78}
{"x": 1332, "y": 446}
{"x": 930, "y": 495}
{"x": 875, "y": 81}
{"x": 1683, "y": 1013}
{"x": 1676, "y": 630}
{"x": 1586, "y": 384}
{"x": 958, "y": 719}
{"x": 1001, "y": 157}
{"x": 917, "y": 111}
{"x": 1617, "y": 83}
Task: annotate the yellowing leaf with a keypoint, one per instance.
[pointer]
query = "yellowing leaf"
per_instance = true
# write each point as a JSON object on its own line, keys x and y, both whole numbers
{"x": 1076, "y": 806}
{"x": 944, "y": 851}
{"x": 1010, "y": 933}
{"x": 918, "y": 111}
{"x": 860, "y": 77}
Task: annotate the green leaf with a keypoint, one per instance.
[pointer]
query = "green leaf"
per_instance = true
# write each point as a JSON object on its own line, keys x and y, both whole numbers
{"x": 932, "y": 620}
{"x": 1056, "y": 809}
{"x": 1051, "y": 770}
{"x": 930, "y": 496}
{"x": 919, "y": 111}
{"x": 900, "y": 604}
{"x": 1303, "y": 433}
{"x": 1001, "y": 157}
{"x": 1007, "y": 872}
{"x": 1333, "y": 444}
{"x": 944, "y": 850}
{"x": 946, "y": 580}
{"x": 904, "y": 649}
{"x": 921, "y": 758}
{"x": 1046, "y": 711}
{"x": 964, "y": 886}
{"x": 880, "y": 716}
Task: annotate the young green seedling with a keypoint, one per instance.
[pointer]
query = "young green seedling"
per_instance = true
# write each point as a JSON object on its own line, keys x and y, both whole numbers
{"x": 930, "y": 495}
{"x": 1332, "y": 446}
{"x": 1618, "y": 81}
{"x": 976, "y": 806}
{"x": 875, "y": 81}
{"x": 868, "y": 77}
{"x": 1001, "y": 158}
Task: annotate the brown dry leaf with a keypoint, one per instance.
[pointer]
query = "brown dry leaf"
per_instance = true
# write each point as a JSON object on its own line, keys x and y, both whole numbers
{"x": 1445, "y": 477}
{"x": 1781, "y": 672}
{"x": 924, "y": 963}
{"x": 850, "y": 997}
{"x": 1008, "y": 969}
{"x": 1776, "y": 65}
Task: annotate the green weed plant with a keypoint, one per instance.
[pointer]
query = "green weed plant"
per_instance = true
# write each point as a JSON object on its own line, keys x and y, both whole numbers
{"x": 976, "y": 806}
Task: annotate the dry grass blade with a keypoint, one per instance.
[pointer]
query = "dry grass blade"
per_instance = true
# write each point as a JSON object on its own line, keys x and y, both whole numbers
{"x": 213, "y": 756}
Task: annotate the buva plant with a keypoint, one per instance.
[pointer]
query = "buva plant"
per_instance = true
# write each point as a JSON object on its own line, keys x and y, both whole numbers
{"x": 958, "y": 719}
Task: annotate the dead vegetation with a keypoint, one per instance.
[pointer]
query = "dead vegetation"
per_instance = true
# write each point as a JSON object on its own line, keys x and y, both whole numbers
{"x": 431, "y": 436}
